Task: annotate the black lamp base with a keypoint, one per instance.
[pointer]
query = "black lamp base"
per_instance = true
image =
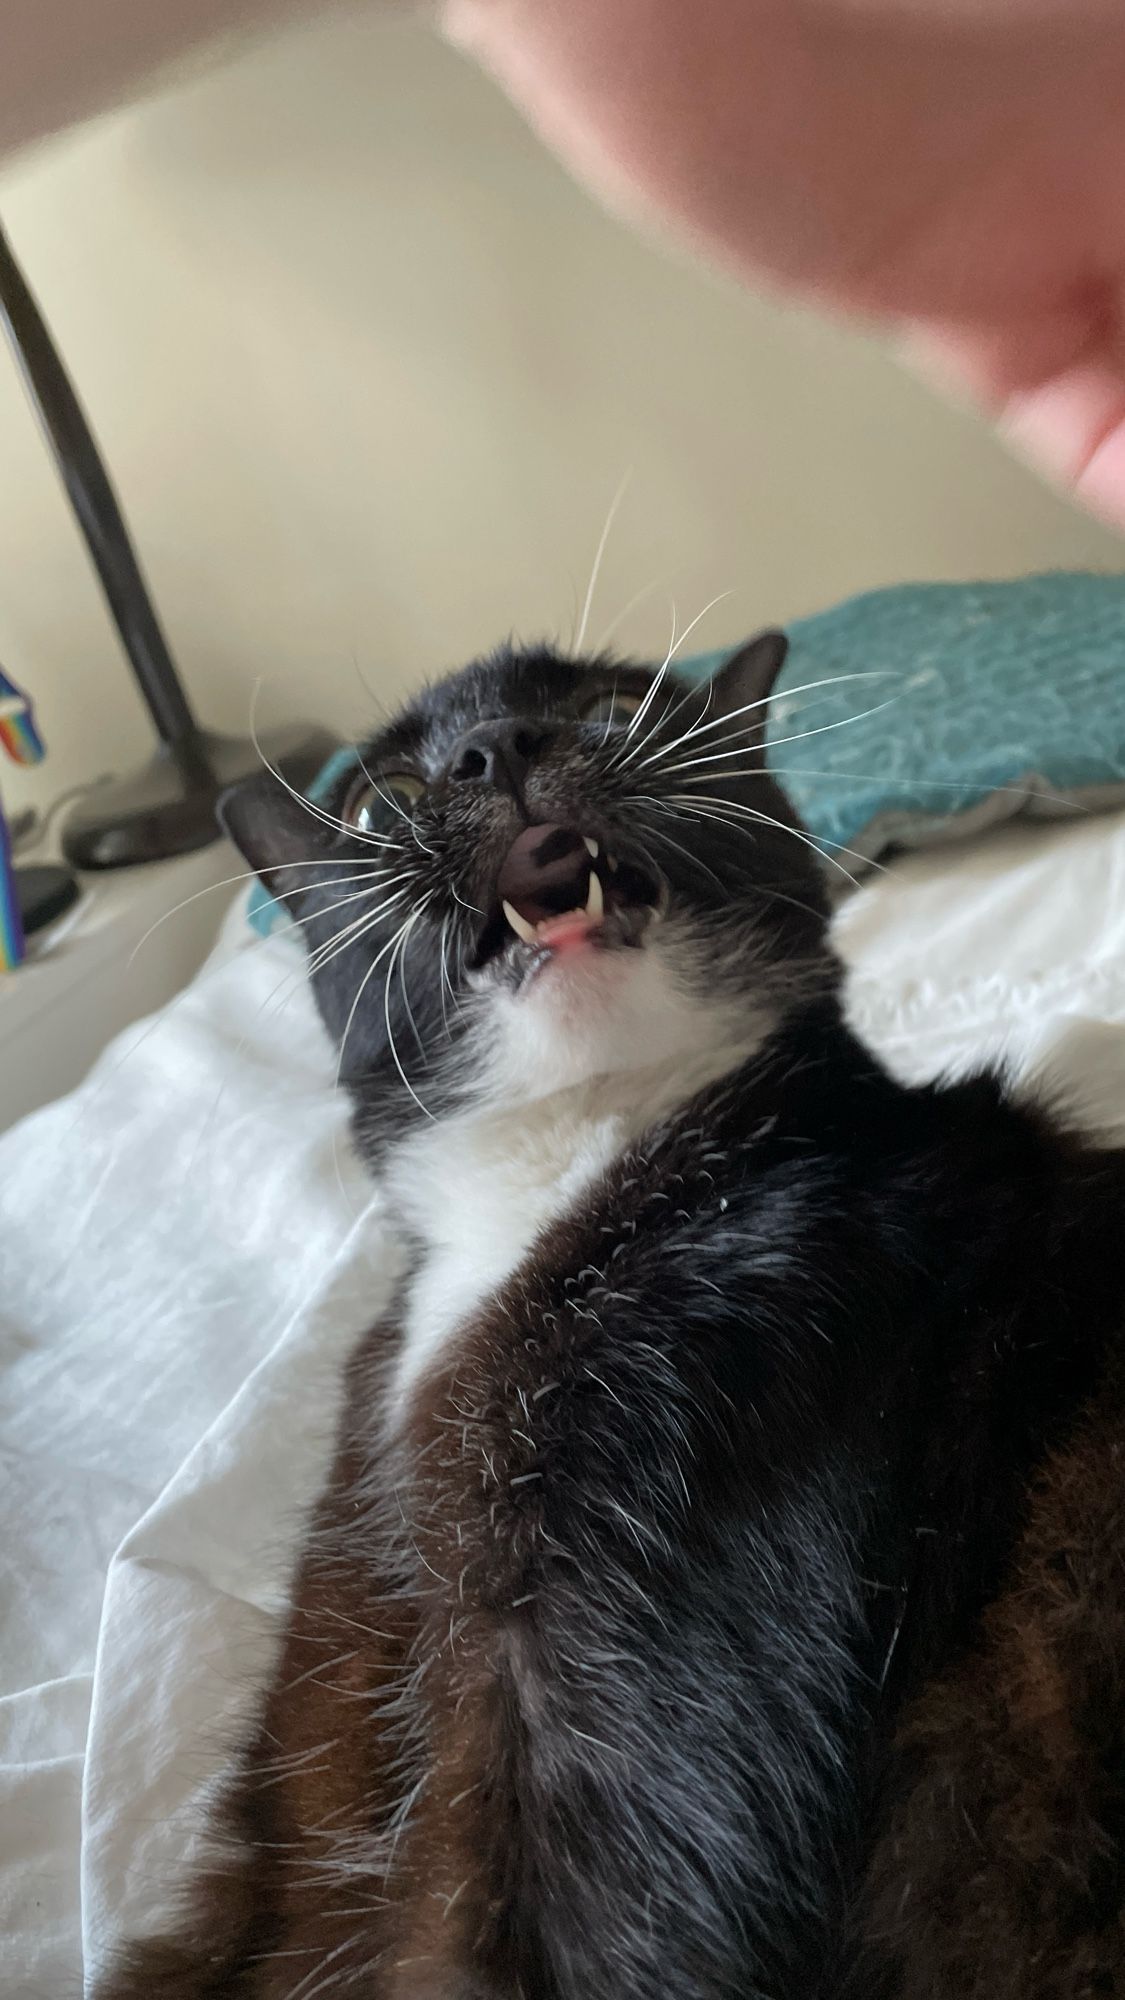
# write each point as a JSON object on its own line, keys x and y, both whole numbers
{"x": 168, "y": 806}
{"x": 45, "y": 893}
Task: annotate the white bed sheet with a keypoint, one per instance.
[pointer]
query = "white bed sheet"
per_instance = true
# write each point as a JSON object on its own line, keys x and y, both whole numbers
{"x": 188, "y": 1250}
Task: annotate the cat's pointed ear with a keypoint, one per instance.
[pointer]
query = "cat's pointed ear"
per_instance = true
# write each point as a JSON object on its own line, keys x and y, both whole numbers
{"x": 746, "y": 681}
{"x": 276, "y": 830}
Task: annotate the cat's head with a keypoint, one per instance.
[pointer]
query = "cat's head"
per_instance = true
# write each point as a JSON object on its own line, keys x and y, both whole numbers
{"x": 546, "y": 871}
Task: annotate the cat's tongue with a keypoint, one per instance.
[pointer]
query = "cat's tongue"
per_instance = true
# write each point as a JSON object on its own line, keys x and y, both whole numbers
{"x": 545, "y": 879}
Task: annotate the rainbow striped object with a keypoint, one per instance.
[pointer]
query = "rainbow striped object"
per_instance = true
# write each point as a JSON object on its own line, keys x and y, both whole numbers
{"x": 12, "y": 947}
{"x": 24, "y": 745}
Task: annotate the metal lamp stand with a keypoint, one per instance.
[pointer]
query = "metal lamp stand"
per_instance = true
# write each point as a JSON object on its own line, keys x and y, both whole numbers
{"x": 168, "y": 806}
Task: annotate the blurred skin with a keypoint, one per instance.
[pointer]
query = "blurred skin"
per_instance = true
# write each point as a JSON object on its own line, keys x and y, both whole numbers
{"x": 953, "y": 169}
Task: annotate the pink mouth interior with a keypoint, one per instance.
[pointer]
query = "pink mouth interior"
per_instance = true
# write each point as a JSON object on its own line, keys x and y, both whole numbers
{"x": 566, "y": 933}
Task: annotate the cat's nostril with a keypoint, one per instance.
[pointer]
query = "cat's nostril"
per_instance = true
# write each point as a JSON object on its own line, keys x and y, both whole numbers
{"x": 526, "y": 743}
{"x": 472, "y": 763}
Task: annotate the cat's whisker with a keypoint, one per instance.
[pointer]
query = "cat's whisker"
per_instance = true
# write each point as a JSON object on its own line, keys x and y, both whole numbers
{"x": 323, "y": 953}
{"x": 693, "y": 860}
{"x": 638, "y": 597}
{"x": 630, "y": 755}
{"x": 742, "y": 744}
{"x": 883, "y": 778}
{"x": 610, "y": 725}
{"x": 230, "y": 882}
{"x": 775, "y": 742}
{"x": 751, "y": 707}
{"x": 669, "y": 750}
{"x": 388, "y": 799}
{"x": 598, "y": 557}
{"x": 351, "y": 933}
{"x": 308, "y": 805}
{"x": 376, "y": 700}
{"x": 404, "y": 941}
{"x": 803, "y": 687}
{"x": 731, "y": 814}
{"x": 287, "y": 987}
{"x": 458, "y": 898}
{"x": 447, "y": 983}
{"x": 443, "y": 973}
{"x": 361, "y": 988}
{"x": 418, "y": 1042}
{"x": 653, "y": 689}
{"x": 698, "y": 620}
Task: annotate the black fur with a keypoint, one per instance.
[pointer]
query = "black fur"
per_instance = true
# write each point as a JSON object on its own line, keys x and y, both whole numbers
{"x": 729, "y": 1469}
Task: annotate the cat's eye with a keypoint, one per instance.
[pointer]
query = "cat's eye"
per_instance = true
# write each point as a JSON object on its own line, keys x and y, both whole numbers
{"x": 377, "y": 800}
{"x": 612, "y": 706}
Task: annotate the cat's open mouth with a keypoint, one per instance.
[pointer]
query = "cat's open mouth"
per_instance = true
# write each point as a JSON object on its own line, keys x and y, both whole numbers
{"x": 559, "y": 890}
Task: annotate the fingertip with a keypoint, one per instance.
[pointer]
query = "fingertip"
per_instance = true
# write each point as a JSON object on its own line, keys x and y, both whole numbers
{"x": 1073, "y": 428}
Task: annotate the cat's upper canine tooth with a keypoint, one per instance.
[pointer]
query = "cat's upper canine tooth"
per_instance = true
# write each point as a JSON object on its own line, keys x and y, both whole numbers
{"x": 590, "y": 845}
{"x": 519, "y": 924}
{"x": 595, "y": 901}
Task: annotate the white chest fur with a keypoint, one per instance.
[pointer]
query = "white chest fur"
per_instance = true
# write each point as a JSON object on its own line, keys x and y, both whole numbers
{"x": 573, "y": 1079}
{"x": 477, "y": 1189}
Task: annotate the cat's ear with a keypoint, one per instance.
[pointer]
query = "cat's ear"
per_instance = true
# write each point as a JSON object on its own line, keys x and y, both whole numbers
{"x": 276, "y": 830}
{"x": 744, "y": 683}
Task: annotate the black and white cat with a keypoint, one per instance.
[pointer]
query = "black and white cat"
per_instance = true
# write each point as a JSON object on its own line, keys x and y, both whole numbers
{"x": 659, "y": 1634}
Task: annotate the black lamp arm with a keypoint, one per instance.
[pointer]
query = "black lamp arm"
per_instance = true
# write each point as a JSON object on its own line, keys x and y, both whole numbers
{"x": 95, "y": 506}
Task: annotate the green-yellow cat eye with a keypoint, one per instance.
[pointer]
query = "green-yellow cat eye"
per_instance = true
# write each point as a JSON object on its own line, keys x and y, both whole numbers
{"x": 612, "y": 706}
{"x": 376, "y": 801}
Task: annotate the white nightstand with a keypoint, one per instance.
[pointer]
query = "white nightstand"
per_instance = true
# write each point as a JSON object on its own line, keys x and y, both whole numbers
{"x": 82, "y": 984}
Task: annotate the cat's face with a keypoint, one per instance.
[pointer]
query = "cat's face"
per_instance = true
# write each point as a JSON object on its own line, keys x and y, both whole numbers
{"x": 543, "y": 871}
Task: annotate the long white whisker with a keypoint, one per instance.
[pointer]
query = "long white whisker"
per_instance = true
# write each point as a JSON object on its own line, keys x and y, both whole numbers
{"x": 382, "y": 908}
{"x": 798, "y": 736}
{"x": 231, "y": 881}
{"x": 418, "y": 1042}
{"x": 697, "y": 620}
{"x": 599, "y": 553}
{"x": 629, "y": 754}
{"x": 653, "y": 687}
{"x": 405, "y": 937}
{"x": 609, "y": 722}
{"x": 689, "y": 694}
{"x": 764, "y": 888}
{"x": 310, "y": 805}
{"x": 471, "y": 907}
{"x": 936, "y": 784}
{"x": 444, "y": 985}
{"x": 731, "y": 814}
{"x": 638, "y": 597}
{"x": 408, "y": 818}
{"x": 351, "y": 933}
{"x": 692, "y": 859}
{"x": 731, "y": 715}
{"x": 368, "y": 975}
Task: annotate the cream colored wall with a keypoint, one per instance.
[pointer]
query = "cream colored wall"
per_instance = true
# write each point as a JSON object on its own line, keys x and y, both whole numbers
{"x": 368, "y": 370}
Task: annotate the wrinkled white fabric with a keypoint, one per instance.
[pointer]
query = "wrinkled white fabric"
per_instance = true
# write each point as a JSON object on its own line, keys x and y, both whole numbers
{"x": 187, "y": 1252}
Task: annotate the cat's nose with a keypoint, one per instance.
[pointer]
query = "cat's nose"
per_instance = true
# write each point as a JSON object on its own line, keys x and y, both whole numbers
{"x": 496, "y": 753}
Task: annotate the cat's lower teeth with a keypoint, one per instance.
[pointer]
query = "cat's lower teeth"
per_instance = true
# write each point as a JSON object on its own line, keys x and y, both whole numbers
{"x": 595, "y": 901}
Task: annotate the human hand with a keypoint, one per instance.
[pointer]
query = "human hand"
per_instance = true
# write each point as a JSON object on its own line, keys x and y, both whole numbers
{"x": 954, "y": 169}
